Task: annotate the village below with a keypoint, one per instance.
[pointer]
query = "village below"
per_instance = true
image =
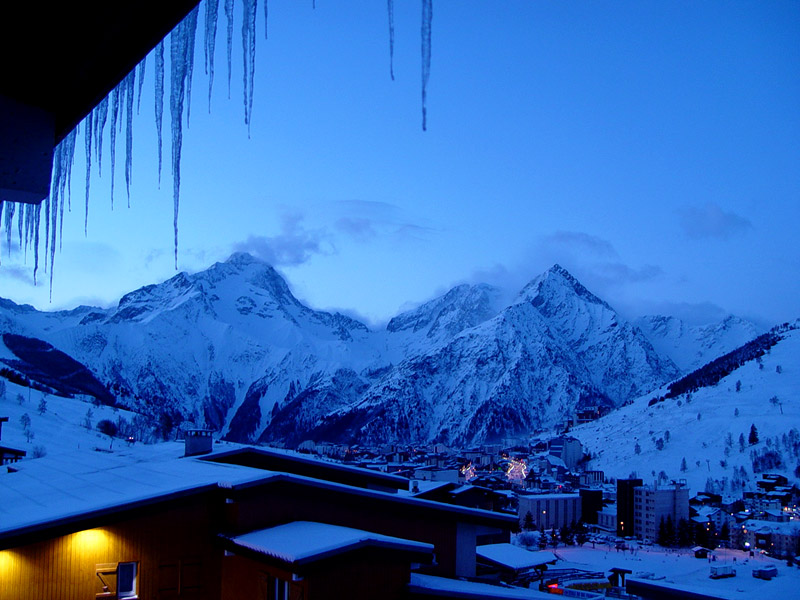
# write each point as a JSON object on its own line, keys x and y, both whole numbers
{"x": 519, "y": 518}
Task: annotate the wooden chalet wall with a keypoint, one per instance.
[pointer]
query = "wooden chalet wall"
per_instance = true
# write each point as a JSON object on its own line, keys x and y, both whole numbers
{"x": 361, "y": 575}
{"x": 173, "y": 547}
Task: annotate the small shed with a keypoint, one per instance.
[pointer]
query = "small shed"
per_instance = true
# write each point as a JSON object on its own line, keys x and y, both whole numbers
{"x": 511, "y": 563}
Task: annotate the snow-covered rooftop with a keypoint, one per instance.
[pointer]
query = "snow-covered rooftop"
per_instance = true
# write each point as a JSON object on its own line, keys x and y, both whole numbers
{"x": 681, "y": 570}
{"x": 76, "y": 483}
{"x": 514, "y": 557}
{"x": 469, "y": 589}
{"x": 306, "y": 541}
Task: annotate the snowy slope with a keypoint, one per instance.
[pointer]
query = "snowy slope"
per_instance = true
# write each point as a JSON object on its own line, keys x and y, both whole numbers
{"x": 691, "y": 347}
{"x": 705, "y": 426}
{"x": 62, "y": 426}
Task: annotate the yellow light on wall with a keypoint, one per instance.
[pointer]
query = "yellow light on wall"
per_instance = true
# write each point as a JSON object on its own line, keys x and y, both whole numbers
{"x": 6, "y": 562}
{"x": 91, "y": 540}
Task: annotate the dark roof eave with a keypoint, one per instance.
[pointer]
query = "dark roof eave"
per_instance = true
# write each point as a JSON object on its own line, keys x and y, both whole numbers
{"x": 472, "y": 515}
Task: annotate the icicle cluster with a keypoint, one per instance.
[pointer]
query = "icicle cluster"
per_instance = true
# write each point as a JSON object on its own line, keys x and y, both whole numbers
{"x": 122, "y": 97}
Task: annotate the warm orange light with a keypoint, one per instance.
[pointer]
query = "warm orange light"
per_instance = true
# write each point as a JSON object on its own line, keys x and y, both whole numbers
{"x": 6, "y": 560}
{"x": 91, "y": 540}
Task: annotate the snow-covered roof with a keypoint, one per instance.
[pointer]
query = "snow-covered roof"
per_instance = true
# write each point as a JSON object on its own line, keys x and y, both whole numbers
{"x": 514, "y": 557}
{"x": 550, "y": 496}
{"x": 307, "y": 541}
{"x": 707, "y": 511}
{"x": 609, "y": 509}
{"x": 785, "y": 527}
{"x": 76, "y": 483}
{"x": 456, "y": 588}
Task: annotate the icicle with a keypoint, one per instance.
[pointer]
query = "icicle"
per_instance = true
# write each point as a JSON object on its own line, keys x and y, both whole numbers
{"x": 191, "y": 20}
{"x": 87, "y": 144}
{"x": 20, "y": 220}
{"x": 33, "y": 213}
{"x": 179, "y": 57}
{"x": 67, "y": 158}
{"x": 8, "y": 223}
{"x": 129, "y": 83}
{"x": 140, "y": 69}
{"x": 71, "y": 141}
{"x": 159, "y": 93}
{"x": 229, "y": 16}
{"x": 51, "y": 214}
{"x": 427, "y": 16}
{"x": 390, "y": 6}
{"x": 212, "y": 12}
{"x": 266, "y": 19}
{"x": 1, "y": 220}
{"x": 47, "y": 201}
{"x": 115, "y": 96}
{"x": 249, "y": 54}
{"x": 99, "y": 125}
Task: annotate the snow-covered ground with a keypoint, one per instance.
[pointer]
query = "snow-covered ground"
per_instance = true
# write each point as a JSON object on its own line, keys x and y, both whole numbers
{"x": 62, "y": 426}
{"x": 681, "y": 568}
{"x": 704, "y": 428}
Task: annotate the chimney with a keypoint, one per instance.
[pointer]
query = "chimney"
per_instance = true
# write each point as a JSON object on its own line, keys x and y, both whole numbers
{"x": 198, "y": 441}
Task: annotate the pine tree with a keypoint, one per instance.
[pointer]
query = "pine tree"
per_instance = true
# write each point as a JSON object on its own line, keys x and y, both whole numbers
{"x": 684, "y": 534}
{"x": 566, "y": 535}
{"x": 87, "y": 420}
{"x": 42, "y": 406}
{"x": 582, "y": 534}
{"x": 683, "y": 465}
{"x": 542, "y": 538}
{"x": 661, "y": 538}
{"x": 753, "y": 438}
{"x": 527, "y": 522}
{"x": 554, "y": 537}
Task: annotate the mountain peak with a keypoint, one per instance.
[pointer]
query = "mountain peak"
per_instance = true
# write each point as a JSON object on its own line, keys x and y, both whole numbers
{"x": 557, "y": 269}
{"x": 242, "y": 259}
{"x": 553, "y": 283}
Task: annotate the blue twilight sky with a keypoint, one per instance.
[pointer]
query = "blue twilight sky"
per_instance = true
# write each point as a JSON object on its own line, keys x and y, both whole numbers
{"x": 651, "y": 148}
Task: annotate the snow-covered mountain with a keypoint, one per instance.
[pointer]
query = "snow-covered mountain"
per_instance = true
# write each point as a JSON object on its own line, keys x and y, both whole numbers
{"x": 232, "y": 348}
{"x": 704, "y": 436}
{"x": 690, "y": 347}
{"x": 556, "y": 347}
